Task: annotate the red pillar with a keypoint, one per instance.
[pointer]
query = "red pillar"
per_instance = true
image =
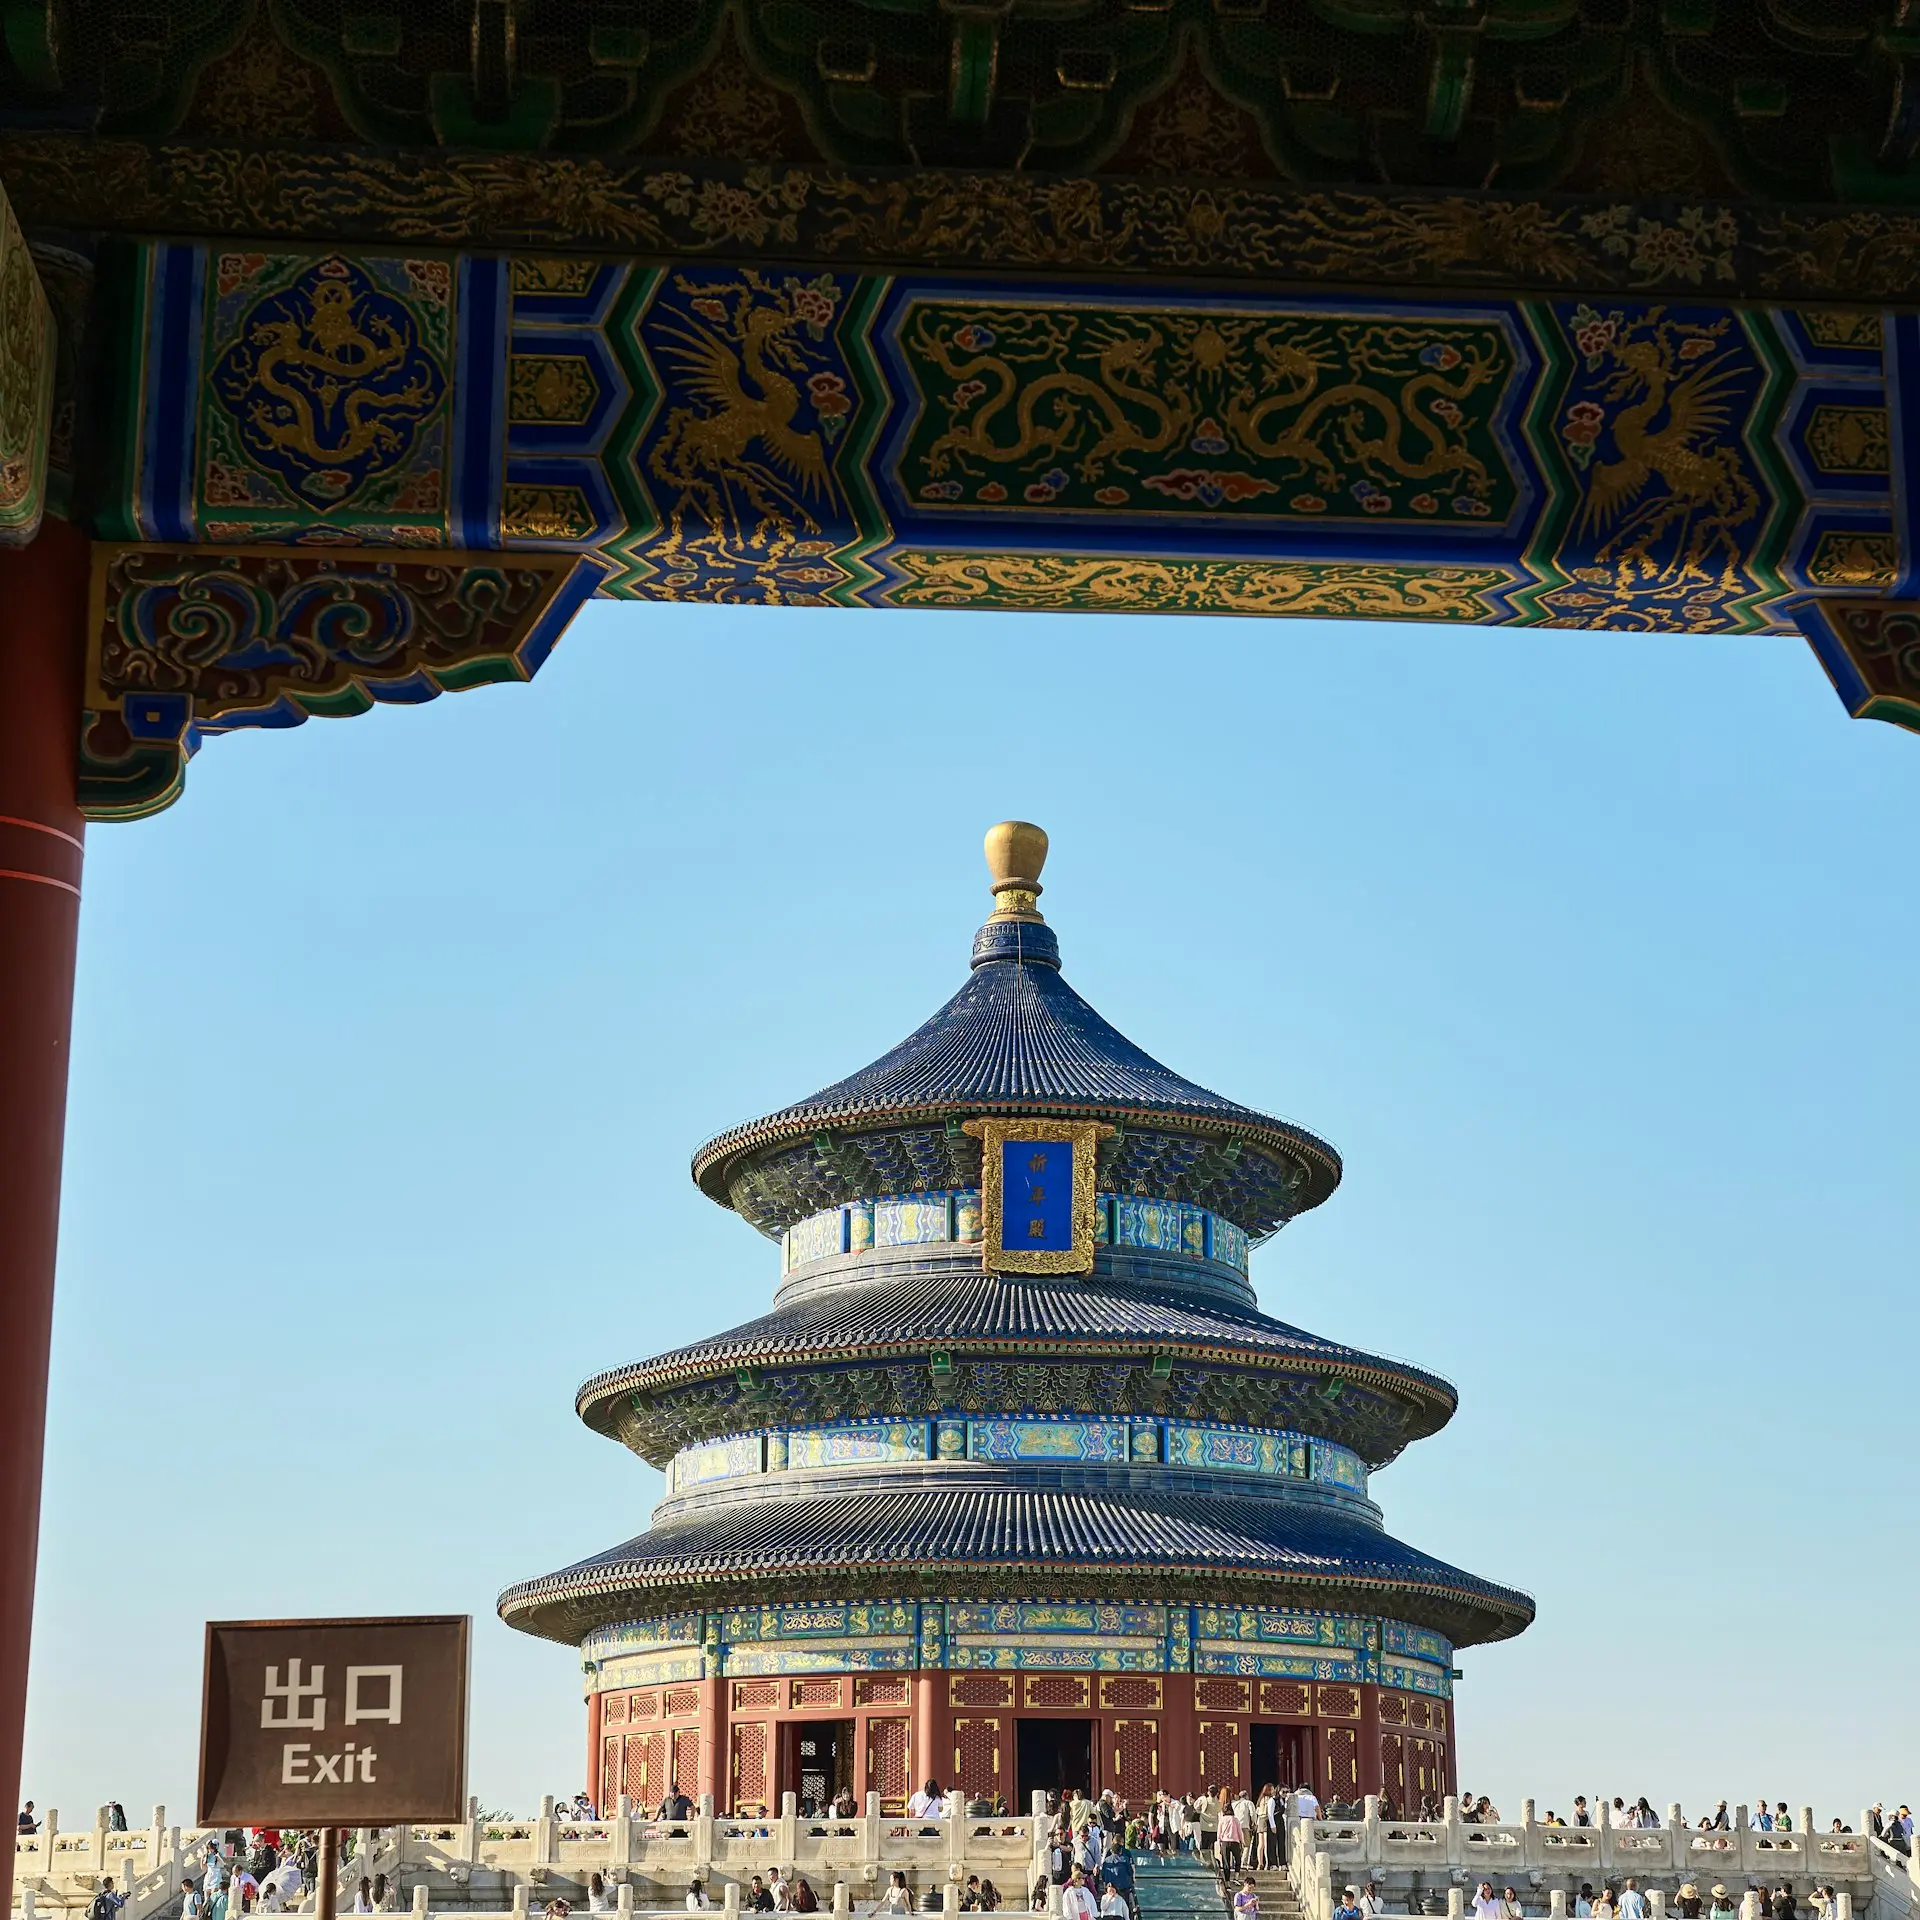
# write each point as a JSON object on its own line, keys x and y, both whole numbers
{"x": 43, "y": 604}
{"x": 596, "y": 1788}
{"x": 926, "y": 1731}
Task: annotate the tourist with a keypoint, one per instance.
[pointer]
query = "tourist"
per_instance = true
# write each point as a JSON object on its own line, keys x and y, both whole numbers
{"x": 1206, "y": 1814}
{"x": 990, "y": 1900}
{"x": 1688, "y": 1901}
{"x": 805, "y": 1900}
{"x": 759, "y": 1900}
{"x": 1246, "y": 1903}
{"x": 1484, "y": 1906}
{"x": 1113, "y": 1904}
{"x": 1347, "y": 1907}
{"x": 557, "y": 1908}
{"x": 1583, "y": 1902}
{"x": 1372, "y": 1906}
{"x": 1077, "y": 1901}
{"x": 1783, "y": 1903}
{"x": 697, "y": 1901}
{"x": 116, "y": 1817}
{"x": 28, "y": 1821}
{"x": 844, "y": 1804}
{"x": 1763, "y": 1901}
{"x": 1762, "y": 1819}
{"x": 1037, "y": 1899}
{"x": 1581, "y": 1817}
{"x": 1643, "y": 1814}
{"x": 1781, "y": 1822}
{"x": 1618, "y": 1816}
{"x": 1721, "y": 1822}
{"x": 1603, "y": 1907}
{"x": 897, "y": 1899}
{"x": 193, "y": 1903}
{"x": 1633, "y": 1903}
{"x": 106, "y": 1903}
{"x": 1510, "y": 1907}
{"x": 1305, "y": 1805}
{"x": 1227, "y": 1841}
{"x": 1839, "y": 1826}
{"x": 599, "y": 1897}
{"x": 1553, "y": 1819}
{"x": 1723, "y": 1907}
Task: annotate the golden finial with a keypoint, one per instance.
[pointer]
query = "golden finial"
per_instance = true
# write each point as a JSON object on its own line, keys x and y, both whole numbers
{"x": 1016, "y": 851}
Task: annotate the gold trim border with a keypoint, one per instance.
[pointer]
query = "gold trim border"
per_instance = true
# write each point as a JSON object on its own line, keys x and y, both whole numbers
{"x": 1085, "y": 1137}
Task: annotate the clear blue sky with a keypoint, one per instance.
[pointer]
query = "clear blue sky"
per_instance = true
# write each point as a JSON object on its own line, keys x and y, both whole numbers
{"x": 1595, "y": 955}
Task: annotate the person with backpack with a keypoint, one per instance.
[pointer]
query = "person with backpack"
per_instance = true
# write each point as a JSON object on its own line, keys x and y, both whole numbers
{"x": 106, "y": 1903}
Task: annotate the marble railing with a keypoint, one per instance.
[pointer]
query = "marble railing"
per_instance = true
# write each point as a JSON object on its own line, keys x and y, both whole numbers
{"x": 499, "y": 1863}
{"x": 1418, "y": 1863}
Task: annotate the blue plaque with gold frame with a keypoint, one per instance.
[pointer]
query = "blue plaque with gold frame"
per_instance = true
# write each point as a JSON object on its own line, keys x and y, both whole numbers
{"x": 1037, "y": 1193}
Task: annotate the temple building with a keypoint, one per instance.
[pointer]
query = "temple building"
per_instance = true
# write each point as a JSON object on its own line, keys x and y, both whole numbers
{"x": 1016, "y": 1486}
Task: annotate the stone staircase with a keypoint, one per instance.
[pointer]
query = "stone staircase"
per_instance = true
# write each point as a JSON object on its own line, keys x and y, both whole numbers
{"x": 1187, "y": 1889}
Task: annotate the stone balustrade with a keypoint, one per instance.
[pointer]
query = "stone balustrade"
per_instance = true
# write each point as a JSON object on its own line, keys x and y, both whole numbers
{"x": 1420, "y": 1863}
{"x": 493, "y": 1864}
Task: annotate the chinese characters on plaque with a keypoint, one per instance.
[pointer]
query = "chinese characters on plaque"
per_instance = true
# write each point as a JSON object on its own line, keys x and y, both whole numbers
{"x": 1037, "y": 1193}
{"x": 334, "y": 1723}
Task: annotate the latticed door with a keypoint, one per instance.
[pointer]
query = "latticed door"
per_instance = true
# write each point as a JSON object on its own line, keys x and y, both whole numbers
{"x": 1393, "y": 1770}
{"x": 686, "y": 1762}
{"x": 610, "y": 1787}
{"x": 976, "y": 1756}
{"x": 751, "y": 1787}
{"x": 1220, "y": 1763}
{"x": 888, "y": 1743}
{"x": 647, "y": 1768}
{"x": 1136, "y": 1759}
{"x": 1342, "y": 1749}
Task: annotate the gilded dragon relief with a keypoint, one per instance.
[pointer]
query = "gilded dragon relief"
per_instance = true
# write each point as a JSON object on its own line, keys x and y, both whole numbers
{"x": 1305, "y": 416}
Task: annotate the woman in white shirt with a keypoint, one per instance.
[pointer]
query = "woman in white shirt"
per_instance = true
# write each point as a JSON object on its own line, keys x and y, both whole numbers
{"x": 696, "y": 1897}
{"x": 599, "y": 1896}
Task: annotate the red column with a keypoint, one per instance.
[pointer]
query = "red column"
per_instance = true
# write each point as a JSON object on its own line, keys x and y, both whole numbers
{"x": 43, "y": 604}
{"x": 596, "y": 1781}
{"x": 926, "y": 1731}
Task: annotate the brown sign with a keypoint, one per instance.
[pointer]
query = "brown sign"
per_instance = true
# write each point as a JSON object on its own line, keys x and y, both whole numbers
{"x": 334, "y": 1723}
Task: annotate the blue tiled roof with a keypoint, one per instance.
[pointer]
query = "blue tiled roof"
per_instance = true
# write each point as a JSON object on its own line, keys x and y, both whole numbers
{"x": 1251, "y": 1549}
{"x": 1018, "y": 1039}
{"x": 964, "y": 1312}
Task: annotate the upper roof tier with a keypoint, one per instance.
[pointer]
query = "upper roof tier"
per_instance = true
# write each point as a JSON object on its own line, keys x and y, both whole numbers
{"x": 1016, "y": 1039}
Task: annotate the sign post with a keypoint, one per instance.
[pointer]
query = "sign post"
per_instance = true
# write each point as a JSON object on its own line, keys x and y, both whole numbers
{"x": 334, "y": 1723}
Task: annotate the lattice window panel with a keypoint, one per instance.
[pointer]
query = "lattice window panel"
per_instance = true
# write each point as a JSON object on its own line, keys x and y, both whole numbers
{"x": 818, "y": 1693}
{"x": 880, "y": 1690}
{"x": 1343, "y": 1763}
{"x": 750, "y": 1782}
{"x": 979, "y": 1690}
{"x": 1393, "y": 1770}
{"x": 1419, "y": 1714}
{"x": 1128, "y": 1692}
{"x": 1057, "y": 1690}
{"x": 1423, "y": 1765}
{"x": 1338, "y": 1703}
{"x": 1439, "y": 1717}
{"x": 647, "y": 1768}
{"x": 756, "y": 1693}
{"x": 610, "y": 1787}
{"x": 1285, "y": 1696}
{"x": 682, "y": 1700}
{"x": 1222, "y": 1696}
{"x": 1393, "y": 1710}
{"x": 1220, "y": 1744}
{"x": 976, "y": 1756}
{"x": 887, "y": 1746}
{"x": 644, "y": 1706}
{"x": 1136, "y": 1759}
{"x": 613, "y": 1709}
{"x": 686, "y": 1762}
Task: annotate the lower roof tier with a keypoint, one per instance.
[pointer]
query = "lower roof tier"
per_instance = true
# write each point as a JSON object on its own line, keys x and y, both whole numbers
{"x": 1015, "y": 1543}
{"x": 933, "y": 1334}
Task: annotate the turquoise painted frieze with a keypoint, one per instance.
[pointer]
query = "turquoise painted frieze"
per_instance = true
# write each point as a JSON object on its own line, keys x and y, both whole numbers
{"x": 1337, "y": 1466}
{"x": 1011, "y": 1438}
{"x": 853, "y": 1446}
{"x": 1047, "y": 1440}
{"x": 1037, "y": 1636}
{"x": 925, "y": 1219}
{"x": 1221, "y": 1449}
{"x": 724, "y": 1459}
{"x": 913, "y": 1221}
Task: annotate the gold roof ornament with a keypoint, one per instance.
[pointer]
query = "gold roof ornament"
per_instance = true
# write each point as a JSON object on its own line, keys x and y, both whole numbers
{"x": 1016, "y": 850}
